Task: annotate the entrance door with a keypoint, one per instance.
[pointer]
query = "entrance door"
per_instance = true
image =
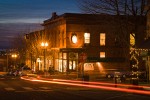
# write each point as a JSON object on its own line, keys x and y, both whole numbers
{"x": 72, "y": 65}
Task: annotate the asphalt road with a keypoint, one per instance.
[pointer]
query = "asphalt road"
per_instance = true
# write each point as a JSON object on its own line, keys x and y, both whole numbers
{"x": 12, "y": 88}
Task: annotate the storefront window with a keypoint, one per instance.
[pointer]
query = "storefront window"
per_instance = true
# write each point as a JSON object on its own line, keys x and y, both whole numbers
{"x": 72, "y": 65}
{"x": 64, "y": 65}
{"x": 60, "y": 66}
{"x": 73, "y": 60}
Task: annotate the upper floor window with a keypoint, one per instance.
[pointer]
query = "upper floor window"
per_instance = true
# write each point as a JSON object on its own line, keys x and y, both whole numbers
{"x": 74, "y": 38}
{"x": 102, "y": 54}
{"x": 132, "y": 39}
{"x": 102, "y": 39}
{"x": 86, "y": 37}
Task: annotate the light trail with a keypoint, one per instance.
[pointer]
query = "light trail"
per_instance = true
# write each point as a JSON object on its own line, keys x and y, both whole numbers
{"x": 98, "y": 83}
{"x": 91, "y": 86}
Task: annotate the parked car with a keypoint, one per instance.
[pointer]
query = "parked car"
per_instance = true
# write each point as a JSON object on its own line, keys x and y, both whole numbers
{"x": 13, "y": 72}
{"x": 117, "y": 73}
{"x": 25, "y": 71}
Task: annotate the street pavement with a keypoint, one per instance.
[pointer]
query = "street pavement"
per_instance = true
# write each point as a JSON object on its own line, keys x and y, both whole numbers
{"x": 16, "y": 89}
{"x": 141, "y": 85}
{"x": 74, "y": 76}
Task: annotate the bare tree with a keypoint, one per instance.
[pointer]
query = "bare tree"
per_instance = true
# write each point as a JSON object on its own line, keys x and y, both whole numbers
{"x": 118, "y": 8}
{"x": 129, "y": 8}
{"x": 114, "y": 7}
{"x": 33, "y": 42}
{"x": 34, "y": 49}
{"x": 19, "y": 47}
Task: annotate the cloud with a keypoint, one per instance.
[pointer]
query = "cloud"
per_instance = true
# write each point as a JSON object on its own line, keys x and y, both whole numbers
{"x": 23, "y": 16}
{"x": 9, "y": 31}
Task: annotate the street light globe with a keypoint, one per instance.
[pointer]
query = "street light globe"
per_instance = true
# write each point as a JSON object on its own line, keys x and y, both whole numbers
{"x": 44, "y": 44}
{"x": 14, "y": 55}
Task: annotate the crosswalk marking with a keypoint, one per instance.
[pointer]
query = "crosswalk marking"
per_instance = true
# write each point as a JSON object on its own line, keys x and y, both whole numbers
{"x": 46, "y": 88}
{"x": 9, "y": 89}
{"x": 28, "y": 88}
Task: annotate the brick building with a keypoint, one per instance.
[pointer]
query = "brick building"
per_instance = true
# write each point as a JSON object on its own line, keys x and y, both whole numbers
{"x": 91, "y": 42}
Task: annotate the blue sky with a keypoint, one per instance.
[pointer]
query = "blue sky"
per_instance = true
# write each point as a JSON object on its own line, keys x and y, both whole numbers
{"x": 21, "y": 16}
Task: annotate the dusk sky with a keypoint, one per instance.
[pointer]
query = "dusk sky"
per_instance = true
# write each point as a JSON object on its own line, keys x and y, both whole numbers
{"x": 18, "y": 17}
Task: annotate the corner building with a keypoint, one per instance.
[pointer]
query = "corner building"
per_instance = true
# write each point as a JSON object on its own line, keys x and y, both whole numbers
{"x": 93, "y": 43}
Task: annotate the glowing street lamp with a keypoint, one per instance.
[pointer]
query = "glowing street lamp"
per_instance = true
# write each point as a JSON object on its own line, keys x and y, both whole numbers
{"x": 14, "y": 56}
{"x": 44, "y": 45}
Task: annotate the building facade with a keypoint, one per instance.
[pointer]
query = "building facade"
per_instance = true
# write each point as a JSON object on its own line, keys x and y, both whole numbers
{"x": 99, "y": 41}
{"x": 90, "y": 43}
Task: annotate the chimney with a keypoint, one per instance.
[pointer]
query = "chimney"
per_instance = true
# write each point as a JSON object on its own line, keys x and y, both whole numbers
{"x": 54, "y": 15}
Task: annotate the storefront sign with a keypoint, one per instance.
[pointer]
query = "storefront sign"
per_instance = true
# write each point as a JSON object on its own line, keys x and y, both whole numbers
{"x": 88, "y": 66}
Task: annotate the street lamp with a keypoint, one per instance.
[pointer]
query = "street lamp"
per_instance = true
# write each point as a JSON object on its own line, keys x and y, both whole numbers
{"x": 44, "y": 45}
{"x": 14, "y": 56}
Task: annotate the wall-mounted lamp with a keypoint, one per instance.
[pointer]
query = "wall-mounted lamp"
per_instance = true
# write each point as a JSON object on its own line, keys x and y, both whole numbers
{"x": 74, "y": 38}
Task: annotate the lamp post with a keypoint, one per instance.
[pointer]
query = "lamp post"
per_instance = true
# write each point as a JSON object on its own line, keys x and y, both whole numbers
{"x": 44, "y": 45}
{"x": 14, "y": 56}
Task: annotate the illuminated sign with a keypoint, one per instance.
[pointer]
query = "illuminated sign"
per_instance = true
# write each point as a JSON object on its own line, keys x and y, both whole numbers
{"x": 88, "y": 66}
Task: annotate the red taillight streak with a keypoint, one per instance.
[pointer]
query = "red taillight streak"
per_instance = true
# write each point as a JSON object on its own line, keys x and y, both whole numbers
{"x": 99, "y": 83}
{"x": 93, "y": 86}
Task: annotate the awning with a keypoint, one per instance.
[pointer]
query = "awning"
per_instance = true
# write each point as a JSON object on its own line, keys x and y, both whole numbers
{"x": 96, "y": 59}
{"x": 72, "y": 50}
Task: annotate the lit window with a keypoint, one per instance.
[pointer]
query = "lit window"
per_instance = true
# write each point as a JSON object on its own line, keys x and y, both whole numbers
{"x": 132, "y": 39}
{"x": 74, "y": 38}
{"x": 102, "y": 54}
{"x": 102, "y": 39}
{"x": 86, "y": 37}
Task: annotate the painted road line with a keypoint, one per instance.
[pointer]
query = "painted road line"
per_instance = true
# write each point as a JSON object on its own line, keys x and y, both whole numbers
{"x": 9, "y": 89}
{"x": 28, "y": 88}
{"x": 45, "y": 88}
